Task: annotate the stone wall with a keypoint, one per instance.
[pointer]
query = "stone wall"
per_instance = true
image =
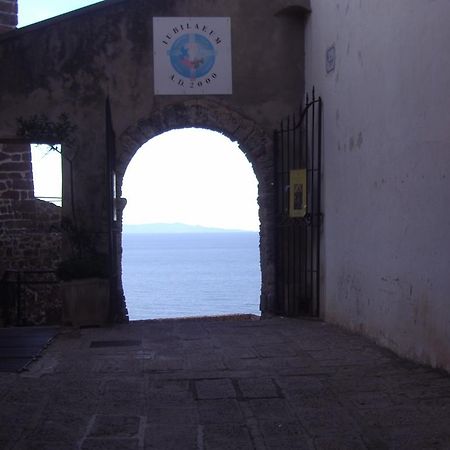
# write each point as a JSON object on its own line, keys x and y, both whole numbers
{"x": 8, "y": 15}
{"x": 71, "y": 64}
{"x": 30, "y": 240}
{"x": 16, "y": 177}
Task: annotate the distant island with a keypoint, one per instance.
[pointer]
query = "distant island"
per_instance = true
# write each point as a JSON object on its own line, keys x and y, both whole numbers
{"x": 175, "y": 228}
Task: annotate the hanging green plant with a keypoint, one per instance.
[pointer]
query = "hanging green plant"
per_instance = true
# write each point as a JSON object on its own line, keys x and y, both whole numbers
{"x": 41, "y": 130}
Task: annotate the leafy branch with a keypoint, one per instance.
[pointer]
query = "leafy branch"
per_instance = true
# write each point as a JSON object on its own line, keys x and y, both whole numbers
{"x": 41, "y": 130}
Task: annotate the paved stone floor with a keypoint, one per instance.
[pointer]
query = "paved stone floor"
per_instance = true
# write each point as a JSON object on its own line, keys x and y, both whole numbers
{"x": 199, "y": 384}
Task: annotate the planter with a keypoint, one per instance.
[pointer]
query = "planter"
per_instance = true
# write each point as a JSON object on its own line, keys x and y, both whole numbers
{"x": 86, "y": 302}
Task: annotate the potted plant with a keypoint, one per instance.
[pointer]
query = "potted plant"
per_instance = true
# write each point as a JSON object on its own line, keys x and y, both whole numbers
{"x": 85, "y": 290}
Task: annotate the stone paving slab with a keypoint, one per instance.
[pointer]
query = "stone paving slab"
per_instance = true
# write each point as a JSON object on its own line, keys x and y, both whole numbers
{"x": 201, "y": 384}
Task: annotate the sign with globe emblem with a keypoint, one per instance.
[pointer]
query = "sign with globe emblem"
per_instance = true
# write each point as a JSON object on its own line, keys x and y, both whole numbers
{"x": 192, "y": 55}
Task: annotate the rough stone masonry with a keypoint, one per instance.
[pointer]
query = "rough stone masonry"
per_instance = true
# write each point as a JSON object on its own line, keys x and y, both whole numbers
{"x": 8, "y": 15}
{"x": 30, "y": 240}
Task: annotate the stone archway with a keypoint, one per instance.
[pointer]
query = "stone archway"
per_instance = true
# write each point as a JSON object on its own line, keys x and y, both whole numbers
{"x": 253, "y": 141}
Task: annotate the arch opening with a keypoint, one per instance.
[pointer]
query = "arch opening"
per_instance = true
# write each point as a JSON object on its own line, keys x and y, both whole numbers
{"x": 190, "y": 228}
{"x": 253, "y": 141}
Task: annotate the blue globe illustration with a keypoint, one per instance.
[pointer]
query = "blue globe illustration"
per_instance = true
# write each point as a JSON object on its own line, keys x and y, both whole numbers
{"x": 192, "y": 56}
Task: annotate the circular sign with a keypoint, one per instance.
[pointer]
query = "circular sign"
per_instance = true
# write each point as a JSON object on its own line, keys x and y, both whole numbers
{"x": 192, "y": 56}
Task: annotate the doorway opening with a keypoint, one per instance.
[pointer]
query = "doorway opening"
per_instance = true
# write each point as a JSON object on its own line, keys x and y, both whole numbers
{"x": 190, "y": 228}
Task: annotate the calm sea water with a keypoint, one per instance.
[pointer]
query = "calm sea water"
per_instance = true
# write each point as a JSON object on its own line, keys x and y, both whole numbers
{"x": 184, "y": 275}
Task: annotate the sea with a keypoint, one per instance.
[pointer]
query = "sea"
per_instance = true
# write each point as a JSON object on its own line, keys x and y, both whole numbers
{"x": 191, "y": 274}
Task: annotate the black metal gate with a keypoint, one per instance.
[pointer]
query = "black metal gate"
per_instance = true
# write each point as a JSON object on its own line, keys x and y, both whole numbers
{"x": 298, "y": 161}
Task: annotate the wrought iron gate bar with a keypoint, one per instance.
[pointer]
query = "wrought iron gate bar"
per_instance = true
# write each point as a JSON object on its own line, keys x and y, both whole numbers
{"x": 313, "y": 204}
{"x": 319, "y": 201}
{"x": 298, "y": 152}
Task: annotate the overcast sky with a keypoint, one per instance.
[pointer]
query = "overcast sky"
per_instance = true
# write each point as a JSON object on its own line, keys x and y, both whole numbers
{"x": 190, "y": 176}
{"x": 31, "y": 11}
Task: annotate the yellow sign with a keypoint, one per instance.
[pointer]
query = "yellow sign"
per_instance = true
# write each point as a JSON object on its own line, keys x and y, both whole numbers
{"x": 297, "y": 193}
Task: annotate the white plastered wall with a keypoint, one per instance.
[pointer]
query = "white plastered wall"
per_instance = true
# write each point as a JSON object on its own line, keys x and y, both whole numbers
{"x": 386, "y": 241}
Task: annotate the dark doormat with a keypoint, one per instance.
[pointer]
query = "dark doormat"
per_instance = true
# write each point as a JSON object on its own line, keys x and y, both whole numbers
{"x": 119, "y": 343}
{"x": 20, "y": 346}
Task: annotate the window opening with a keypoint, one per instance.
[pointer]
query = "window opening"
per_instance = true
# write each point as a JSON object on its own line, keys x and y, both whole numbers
{"x": 47, "y": 173}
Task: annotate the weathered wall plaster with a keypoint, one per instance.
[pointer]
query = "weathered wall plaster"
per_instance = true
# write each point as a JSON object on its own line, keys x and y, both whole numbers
{"x": 386, "y": 245}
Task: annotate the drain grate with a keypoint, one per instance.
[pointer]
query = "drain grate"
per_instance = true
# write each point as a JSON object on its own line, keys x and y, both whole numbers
{"x": 120, "y": 343}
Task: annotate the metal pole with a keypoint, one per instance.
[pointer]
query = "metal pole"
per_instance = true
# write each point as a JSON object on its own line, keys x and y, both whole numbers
{"x": 314, "y": 199}
{"x": 275, "y": 307}
{"x": 319, "y": 203}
